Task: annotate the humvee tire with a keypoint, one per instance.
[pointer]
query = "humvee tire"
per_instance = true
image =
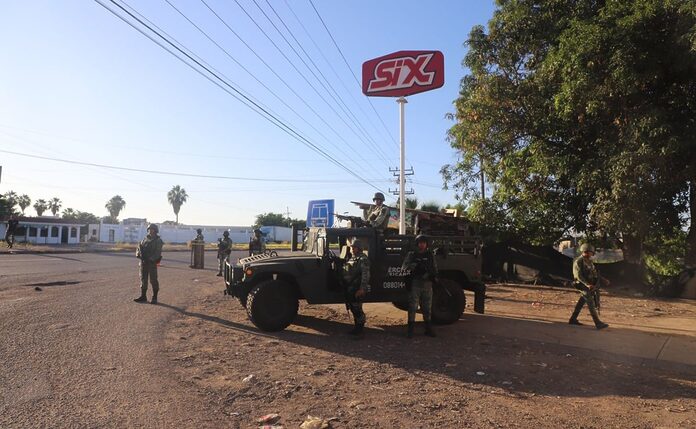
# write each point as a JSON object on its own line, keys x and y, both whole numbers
{"x": 243, "y": 300}
{"x": 272, "y": 305}
{"x": 448, "y": 302}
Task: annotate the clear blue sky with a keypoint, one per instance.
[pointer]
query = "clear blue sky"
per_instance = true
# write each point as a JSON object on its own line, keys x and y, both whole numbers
{"x": 77, "y": 83}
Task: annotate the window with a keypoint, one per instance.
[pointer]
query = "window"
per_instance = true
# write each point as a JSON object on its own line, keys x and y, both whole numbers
{"x": 44, "y": 231}
{"x": 54, "y": 231}
{"x": 73, "y": 232}
{"x": 94, "y": 231}
{"x": 32, "y": 231}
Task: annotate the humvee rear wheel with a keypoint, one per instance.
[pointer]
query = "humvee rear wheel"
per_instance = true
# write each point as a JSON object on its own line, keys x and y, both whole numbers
{"x": 448, "y": 302}
{"x": 272, "y": 305}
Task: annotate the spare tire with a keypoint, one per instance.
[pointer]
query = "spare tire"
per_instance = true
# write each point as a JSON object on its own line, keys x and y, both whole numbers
{"x": 272, "y": 305}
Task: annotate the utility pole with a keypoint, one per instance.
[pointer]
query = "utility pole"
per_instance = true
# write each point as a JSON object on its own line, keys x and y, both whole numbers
{"x": 287, "y": 214}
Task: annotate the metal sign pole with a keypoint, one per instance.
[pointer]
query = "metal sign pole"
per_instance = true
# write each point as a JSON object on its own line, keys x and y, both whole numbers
{"x": 402, "y": 185}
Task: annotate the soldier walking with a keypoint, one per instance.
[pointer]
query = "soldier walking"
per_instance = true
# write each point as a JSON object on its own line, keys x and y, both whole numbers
{"x": 587, "y": 282}
{"x": 356, "y": 279}
{"x": 378, "y": 215}
{"x": 150, "y": 254}
{"x": 12, "y": 224}
{"x": 224, "y": 250}
{"x": 423, "y": 273}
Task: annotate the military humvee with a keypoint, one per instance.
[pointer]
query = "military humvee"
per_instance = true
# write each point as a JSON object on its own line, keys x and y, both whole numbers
{"x": 270, "y": 287}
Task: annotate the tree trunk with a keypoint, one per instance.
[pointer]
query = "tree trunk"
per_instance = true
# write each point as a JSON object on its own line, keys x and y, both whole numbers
{"x": 632, "y": 249}
{"x": 691, "y": 236}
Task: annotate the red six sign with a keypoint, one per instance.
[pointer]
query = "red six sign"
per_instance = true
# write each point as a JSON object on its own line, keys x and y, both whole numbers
{"x": 403, "y": 73}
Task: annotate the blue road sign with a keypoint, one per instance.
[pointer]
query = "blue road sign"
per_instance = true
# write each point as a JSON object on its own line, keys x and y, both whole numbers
{"x": 320, "y": 213}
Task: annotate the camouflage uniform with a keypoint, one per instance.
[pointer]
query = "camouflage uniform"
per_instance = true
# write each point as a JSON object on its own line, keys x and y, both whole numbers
{"x": 378, "y": 215}
{"x": 356, "y": 275}
{"x": 256, "y": 245}
{"x": 224, "y": 250}
{"x": 423, "y": 269}
{"x": 10, "y": 231}
{"x": 150, "y": 254}
{"x": 585, "y": 276}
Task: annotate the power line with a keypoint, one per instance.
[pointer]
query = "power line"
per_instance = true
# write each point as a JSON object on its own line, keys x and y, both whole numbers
{"x": 287, "y": 85}
{"x": 253, "y": 76}
{"x": 329, "y": 63}
{"x": 172, "y": 173}
{"x": 333, "y": 93}
{"x": 236, "y": 93}
{"x": 351, "y": 72}
{"x": 292, "y": 64}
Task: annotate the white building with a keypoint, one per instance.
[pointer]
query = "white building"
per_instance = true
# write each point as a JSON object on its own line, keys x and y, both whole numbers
{"x": 45, "y": 230}
{"x": 133, "y": 233}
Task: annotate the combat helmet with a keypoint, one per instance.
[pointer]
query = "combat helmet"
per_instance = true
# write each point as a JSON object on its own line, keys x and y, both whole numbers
{"x": 421, "y": 237}
{"x": 587, "y": 247}
{"x": 378, "y": 196}
{"x": 154, "y": 227}
{"x": 357, "y": 243}
{"x": 226, "y": 233}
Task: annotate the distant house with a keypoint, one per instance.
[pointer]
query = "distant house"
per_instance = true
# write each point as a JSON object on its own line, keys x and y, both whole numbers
{"x": 45, "y": 230}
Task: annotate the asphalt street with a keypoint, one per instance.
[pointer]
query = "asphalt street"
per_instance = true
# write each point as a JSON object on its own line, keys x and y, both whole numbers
{"x": 80, "y": 350}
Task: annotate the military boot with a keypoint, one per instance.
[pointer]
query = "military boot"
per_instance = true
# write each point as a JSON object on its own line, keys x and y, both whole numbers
{"x": 595, "y": 317}
{"x": 409, "y": 332}
{"x": 141, "y": 298}
{"x": 429, "y": 329}
{"x": 576, "y": 312}
{"x": 154, "y": 298}
{"x": 357, "y": 329}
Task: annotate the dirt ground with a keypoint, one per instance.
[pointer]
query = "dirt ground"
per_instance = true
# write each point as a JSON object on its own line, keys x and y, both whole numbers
{"x": 477, "y": 373}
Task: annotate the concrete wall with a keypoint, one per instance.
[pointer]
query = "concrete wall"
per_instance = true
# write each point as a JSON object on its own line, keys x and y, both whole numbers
{"x": 115, "y": 233}
{"x": 39, "y": 233}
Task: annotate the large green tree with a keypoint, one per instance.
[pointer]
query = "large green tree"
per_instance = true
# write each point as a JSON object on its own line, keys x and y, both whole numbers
{"x": 582, "y": 116}
{"x": 177, "y": 196}
{"x": 271, "y": 219}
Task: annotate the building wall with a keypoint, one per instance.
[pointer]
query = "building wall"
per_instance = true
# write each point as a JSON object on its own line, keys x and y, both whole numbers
{"x": 40, "y": 233}
{"x": 115, "y": 233}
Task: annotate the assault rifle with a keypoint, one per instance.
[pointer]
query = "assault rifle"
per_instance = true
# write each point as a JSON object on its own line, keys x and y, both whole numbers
{"x": 355, "y": 221}
{"x": 595, "y": 292}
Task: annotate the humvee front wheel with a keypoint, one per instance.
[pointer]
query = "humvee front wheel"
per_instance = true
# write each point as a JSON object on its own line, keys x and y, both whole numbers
{"x": 272, "y": 305}
{"x": 448, "y": 302}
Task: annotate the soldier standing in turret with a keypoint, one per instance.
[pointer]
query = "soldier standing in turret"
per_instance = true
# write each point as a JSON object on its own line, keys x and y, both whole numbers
{"x": 224, "y": 250}
{"x": 423, "y": 273}
{"x": 587, "y": 282}
{"x": 150, "y": 254}
{"x": 356, "y": 279}
{"x": 378, "y": 215}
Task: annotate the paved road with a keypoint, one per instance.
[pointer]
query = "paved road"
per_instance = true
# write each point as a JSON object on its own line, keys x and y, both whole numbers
{"x": 81, "y": 353}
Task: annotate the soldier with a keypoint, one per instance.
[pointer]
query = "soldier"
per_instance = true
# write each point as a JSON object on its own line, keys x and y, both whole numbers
{"x": 224, "y": 250}
{"x": 587, "y": 281}
{"x": 150, "y": 254}
{"x": 256, "y": 244}
{"x": 199, "y": 235}
{"x": 356, "y": 279}
{"x": 10, "y": 231}
{"x": 378, "y": 215}
{"x": 423, "y": 273}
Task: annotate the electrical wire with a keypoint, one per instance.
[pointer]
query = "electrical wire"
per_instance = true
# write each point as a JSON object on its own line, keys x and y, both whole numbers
{"x": 234, "y": 92}
{"x": 351, "y": 71}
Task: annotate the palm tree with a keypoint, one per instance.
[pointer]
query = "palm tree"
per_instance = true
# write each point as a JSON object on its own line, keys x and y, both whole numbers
{"x": 23, "y": 201}
{"x": 11, "y": 198}
{"x": 176, "y": 197}
{"x": 40, "y": 206}
{"x": 54, "y": 205}
{"x": 115, "y": 205}
{"x": 69, "y": 213}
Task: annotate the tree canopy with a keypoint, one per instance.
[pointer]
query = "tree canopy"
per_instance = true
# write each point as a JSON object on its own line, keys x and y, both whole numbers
{"x": 115, "y": 205}
{"x": 582, "y": 115}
